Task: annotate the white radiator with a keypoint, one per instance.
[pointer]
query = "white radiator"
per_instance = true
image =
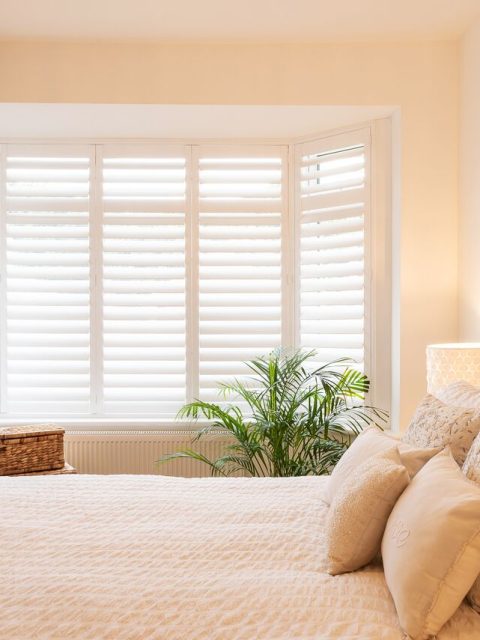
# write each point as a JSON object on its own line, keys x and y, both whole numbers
{"x": 136, "y": 451}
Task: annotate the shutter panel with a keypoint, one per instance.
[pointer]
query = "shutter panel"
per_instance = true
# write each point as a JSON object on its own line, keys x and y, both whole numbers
{"x": 241, "y": 205}
{"x": 47, "y": 203}
{"x": 144, "y": 205}
{"x": 132, "y": 221}
{"x": 332, "y": 207}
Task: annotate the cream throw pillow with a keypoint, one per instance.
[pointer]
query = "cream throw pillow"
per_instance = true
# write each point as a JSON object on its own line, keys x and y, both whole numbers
{"x": 460, "y": 394}
{"x": 358, "y": 514}
{"x": 473, "y": 596}
{"x": 436, "y": 424}
{"x": 431, "y": 546}
{"x": 471, "y": 469}
{"x": 471, "y": 466}
{"x": 463, "y": 394}
{"x": 368, "y": 443}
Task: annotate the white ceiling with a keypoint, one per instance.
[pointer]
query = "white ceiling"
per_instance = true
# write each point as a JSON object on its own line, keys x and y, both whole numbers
{"x": 237, "y": 20}
{"x": 177, "y": 121}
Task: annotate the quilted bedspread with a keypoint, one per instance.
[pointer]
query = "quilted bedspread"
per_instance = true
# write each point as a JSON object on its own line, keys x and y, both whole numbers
{"x": 159, "y": 558}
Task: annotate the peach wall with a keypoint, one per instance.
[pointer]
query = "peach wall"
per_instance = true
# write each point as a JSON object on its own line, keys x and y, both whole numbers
{"x": 420, "y": 78}
{"x": 469, "y": 254}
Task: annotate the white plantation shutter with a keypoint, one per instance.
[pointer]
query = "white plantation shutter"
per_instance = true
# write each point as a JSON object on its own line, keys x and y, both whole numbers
{"x": 332, "y": 220}
{"x": 241, "y": 205}
{"x": 134, "y": 278}
{"x": 144, "y": 207}
{"x": 46, "y": 336}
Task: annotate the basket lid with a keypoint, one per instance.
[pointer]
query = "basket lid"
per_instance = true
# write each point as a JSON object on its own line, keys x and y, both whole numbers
{"x": 30, "y": 430}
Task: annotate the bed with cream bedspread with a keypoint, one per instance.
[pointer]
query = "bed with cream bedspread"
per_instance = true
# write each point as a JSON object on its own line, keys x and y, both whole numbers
{"x": 159, "y": 558}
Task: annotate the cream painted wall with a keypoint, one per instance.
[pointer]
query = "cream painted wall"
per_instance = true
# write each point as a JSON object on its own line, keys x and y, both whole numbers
{"x": 422, "y": 79}
{"x": 469, "y": 253}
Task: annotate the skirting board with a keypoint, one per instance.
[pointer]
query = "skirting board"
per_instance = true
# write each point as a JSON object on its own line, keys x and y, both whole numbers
{"x": 136, "y": 451}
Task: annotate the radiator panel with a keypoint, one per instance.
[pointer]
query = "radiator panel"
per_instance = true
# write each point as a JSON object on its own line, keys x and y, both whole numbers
{"x": 136, "y": 452}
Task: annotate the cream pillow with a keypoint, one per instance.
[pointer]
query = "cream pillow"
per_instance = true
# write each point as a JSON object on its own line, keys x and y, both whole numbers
{"x": 431, "y": 546}
{"x": 471, "y": 469}
{"x": 358, "y": 514}
{"x": 471, "y": 466}
{"x": 460, "y": 394}
{"x": 436, "y": 424}
{"x": 473, "y": 595}
{"x": 368, "y": 443}
{"x": 463, "y": 394}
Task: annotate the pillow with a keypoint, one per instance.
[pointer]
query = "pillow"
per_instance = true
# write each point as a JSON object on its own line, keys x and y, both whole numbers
{"x": 358, "y": 514}
{"x": 471, "y": 469}
{"x": 369, "y": 442}
{"x": 473, "y": 595}
{"x": 436, "y": 424}
{"x": 431, "y": 546}
{"x": 471, "y": 466}
{"x": 463, "y": 394}
{"x": 460, "y": 394}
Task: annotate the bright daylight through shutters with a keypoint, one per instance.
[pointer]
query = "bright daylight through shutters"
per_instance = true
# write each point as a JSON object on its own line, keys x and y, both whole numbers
{"x": 143, "y": 206}
{"x": 46, "y": 218}
{"x": 135, "y": 277}
{"x": 241, "y": 209}
{"x": 333, "y": 198}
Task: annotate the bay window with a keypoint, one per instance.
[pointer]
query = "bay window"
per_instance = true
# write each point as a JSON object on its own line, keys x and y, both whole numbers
{"x": 134, "y": 277}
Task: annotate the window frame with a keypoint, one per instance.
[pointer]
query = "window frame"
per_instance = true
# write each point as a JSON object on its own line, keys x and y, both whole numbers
{"x": 378, "y": 306}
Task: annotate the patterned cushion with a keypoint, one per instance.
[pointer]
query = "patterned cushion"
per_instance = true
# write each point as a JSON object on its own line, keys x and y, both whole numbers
{"x": 436, "y": 424}
{"x": 471, "y": 466}
{"x": 463, "y": 394}
{"x": 358, "y": 514}
{"x": 471, "y": 469}
{"x": 460, "y": 394}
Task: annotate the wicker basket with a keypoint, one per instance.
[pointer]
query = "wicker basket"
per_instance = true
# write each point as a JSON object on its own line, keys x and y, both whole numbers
{"x": 33, "y": 448}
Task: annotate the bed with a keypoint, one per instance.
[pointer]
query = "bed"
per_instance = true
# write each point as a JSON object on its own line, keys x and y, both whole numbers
{"x": 161, "y": 558}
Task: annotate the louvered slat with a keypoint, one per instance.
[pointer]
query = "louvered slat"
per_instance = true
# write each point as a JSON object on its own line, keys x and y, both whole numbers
{"x": 143, "y": 254}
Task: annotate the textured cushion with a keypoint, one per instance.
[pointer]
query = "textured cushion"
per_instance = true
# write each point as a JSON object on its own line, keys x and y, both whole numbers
{"x": 471, "y": 466}
{"x": 471, "y": 469}
{"x": 463, "y": 394}
{"x": 436, "y": 424}
{"x": 368, "y": 443}
{"x": 473, "y": 596}
{"x": 358, "y": 514}
{"x": 460, "y": 394}
{"x": 431, "y": 546}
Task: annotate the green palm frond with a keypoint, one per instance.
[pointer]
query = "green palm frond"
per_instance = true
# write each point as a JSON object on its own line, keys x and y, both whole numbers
{"x": 300, "y": 418}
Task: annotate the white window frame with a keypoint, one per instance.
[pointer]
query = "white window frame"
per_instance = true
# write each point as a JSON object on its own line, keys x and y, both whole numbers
{"x": 378, "y": 250}
{"x": 378, "y": 304}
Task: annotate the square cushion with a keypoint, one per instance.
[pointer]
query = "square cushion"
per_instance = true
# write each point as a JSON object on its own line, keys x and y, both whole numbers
{"x": 460, "y": 394}
{"x": 359, "y": 511}
{"x": 471, "y": 466}
{"x": 463, "y": 394}
{"x": 436, "y": 424}
{"x": 431, "y": 546}
{"x": 368, "y": 443}
{"x": 471, "y": 469}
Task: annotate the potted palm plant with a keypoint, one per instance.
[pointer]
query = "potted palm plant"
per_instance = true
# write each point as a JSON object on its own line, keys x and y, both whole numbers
{"x": 300, "y": 418}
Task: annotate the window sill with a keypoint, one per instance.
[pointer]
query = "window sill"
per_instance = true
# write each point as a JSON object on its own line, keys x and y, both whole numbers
{"x": 92, "y": 424}
{"x": 125, "y": 426}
